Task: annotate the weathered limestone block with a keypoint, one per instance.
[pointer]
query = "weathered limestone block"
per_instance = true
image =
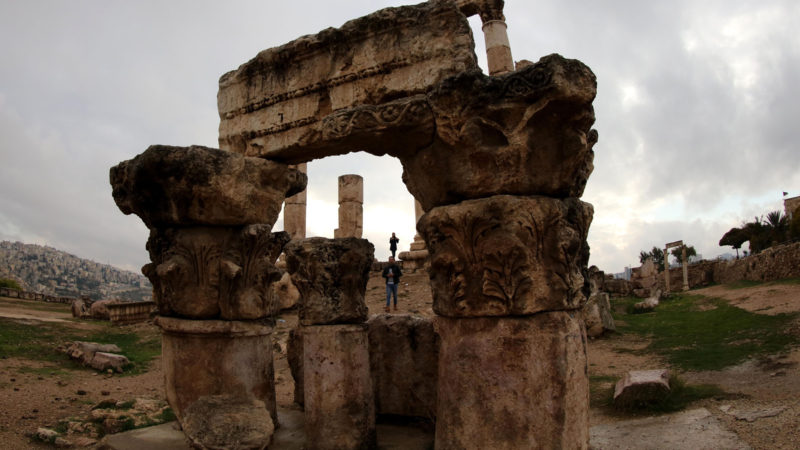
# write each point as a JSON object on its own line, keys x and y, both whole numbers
{"x": 215, "y": 272}
{"x": 223, "y": 421}
{"x": 639, "y": 388}
{"x": 277, "y": 104}
{"x": 99, "y": 309}
{"x": 404, "y": 354}
{"x": 339, "y": 401}
{"x": 205, "y": 358}
{"x": 80, "y": 308}
{"x": 285, "y": 292}
{"x": 507, "y": 255}
{"x": 525, "y": 133}
{"x": 513, "y": 382}
{"x": 167, "y": 186}
{"x": 294, "y": 211}
{"x": 331, "y": 275}
{"x": 351, "y": 188}
{"x": 351, "y": 220}
{"x": 597, "y": 315}
{"x": 104, "y": 361}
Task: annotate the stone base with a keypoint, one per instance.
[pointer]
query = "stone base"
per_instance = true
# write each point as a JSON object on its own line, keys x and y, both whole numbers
{"x": 513, "y": 382}
{"x": 339, "y": 402}
{"x": 413, "y": 260}
{"x": 205, "y": 358}
{"x": 404, "y": 353}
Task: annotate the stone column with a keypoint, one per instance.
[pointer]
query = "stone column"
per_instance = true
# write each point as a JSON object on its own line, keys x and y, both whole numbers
{"x": 351, "y": 207}
{"x": 212, "y": 252}
{"x": 507, "y": 280}
{"x": 498, "y": 50}
{"x": 506, "y": 233}
{"x": 666, "y": 270}
{"x": 294, "y": 211}
{"x": 685, "y": 268}
{"x": 339, "y": 402}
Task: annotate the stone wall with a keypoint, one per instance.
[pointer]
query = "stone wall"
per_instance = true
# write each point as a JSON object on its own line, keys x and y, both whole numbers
{"x": 774, "y": 263}
{"x": 25, "y": 295}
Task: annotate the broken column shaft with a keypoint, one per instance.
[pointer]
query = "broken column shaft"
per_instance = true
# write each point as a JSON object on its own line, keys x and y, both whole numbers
{"x": 339, "y": 403}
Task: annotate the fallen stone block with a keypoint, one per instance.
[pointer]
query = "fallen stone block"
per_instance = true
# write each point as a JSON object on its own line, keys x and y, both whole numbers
{"x": 641, "y": 387}
{"x": 103, "y": 361}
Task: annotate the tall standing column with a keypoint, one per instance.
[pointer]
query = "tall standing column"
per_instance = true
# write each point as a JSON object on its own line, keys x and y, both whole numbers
{"x": 294, "y": 211}
{"x": 339, "y": 402}
{"x": 498, "y": 50}
{"x": 666, "y": 269}
{"x": 685, "y": 269}
{"x": 351, "y": 207}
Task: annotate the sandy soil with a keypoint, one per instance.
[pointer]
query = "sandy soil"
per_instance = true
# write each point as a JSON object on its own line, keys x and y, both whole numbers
{"x": 32, "y": 394}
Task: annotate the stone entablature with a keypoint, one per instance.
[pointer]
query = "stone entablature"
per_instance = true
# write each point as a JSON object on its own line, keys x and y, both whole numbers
{"x": 274, "y": 104}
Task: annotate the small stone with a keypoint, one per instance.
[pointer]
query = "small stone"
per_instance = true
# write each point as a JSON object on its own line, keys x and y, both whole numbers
{"x": 105, "y": 393}
{"x": 80, "y": 392}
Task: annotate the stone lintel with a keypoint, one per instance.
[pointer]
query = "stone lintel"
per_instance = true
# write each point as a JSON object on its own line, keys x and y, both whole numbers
{"x": 278, "y": 99}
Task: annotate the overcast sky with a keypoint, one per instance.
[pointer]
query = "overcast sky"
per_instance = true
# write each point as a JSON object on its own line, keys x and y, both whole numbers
{"x": 696, "y": 109}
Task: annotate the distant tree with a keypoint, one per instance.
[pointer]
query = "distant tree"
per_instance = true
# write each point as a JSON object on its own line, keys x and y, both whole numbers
{"x": 677, "y": 252}
{"x": 656, "y": 254}
{"x": 9, "y": 283}
{"x": 735, "y": 237}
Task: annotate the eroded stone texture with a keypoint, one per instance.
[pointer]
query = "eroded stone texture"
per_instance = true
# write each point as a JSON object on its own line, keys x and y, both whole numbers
{"x": 512, "y": 382}
{"x": 294, "y": 211}
{"x": 215, "y": 272}
{"x": 294, "y": 356}
{"x": 331, "y": 275}
{"x": 597, "y": 315}
{"x": 351, "y": 207}
{"x": 280, "y": 103}
{"x": 223, "y": 422}
{"x": 213, "y": 357}
{"x": 524, "y": 133}
{"x": 507, "y": 255}
{"x": 339, "y": 401}
{"x": 404, "y": 354}
{"x": 167, "y": 186}
{"x": 639, "y": 388}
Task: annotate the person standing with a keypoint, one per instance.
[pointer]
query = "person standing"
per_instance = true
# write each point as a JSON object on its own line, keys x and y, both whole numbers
{"x": 393, "y": 244}
{"x": 392, "y": 274}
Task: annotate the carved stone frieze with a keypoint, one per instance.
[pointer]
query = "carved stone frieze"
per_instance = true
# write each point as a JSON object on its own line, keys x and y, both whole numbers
{"x": 215, "y": 272}
{"x": 525, "y": 133}
{"x": 168, "y": 186}
{"x": 275, "y": 101}
{"x": 505, "y": 255}
{"x": 331, "y": 275}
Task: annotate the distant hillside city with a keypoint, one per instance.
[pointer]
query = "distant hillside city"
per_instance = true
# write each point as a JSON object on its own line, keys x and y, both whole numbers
{"x": 49, "y": 271}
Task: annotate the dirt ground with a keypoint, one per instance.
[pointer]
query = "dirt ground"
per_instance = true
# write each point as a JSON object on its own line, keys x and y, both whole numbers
{"x": 33, "y": 394}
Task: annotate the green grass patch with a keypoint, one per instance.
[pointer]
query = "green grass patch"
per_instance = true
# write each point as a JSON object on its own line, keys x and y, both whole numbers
{"x": 787, "y": 281}
{"x": 742, "y": 284}
{"x": 34, "y": 304}
{"x": 694, "y": 332}
{"x": 39, "y": 342}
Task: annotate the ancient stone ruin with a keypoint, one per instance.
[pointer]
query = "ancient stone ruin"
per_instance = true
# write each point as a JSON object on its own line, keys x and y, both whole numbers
{"x": 497, "y": 164}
